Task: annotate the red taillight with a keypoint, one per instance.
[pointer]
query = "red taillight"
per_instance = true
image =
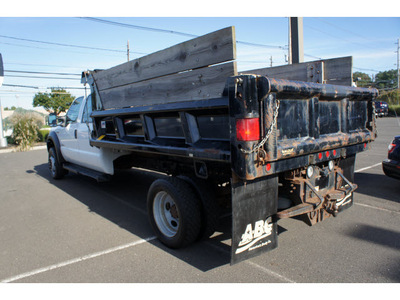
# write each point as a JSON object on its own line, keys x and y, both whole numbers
{"x": 391, "y": 148}
{"x": 248, "y": 129}
{"x": 327, "y": 154}
{"x": 320, "y": 155}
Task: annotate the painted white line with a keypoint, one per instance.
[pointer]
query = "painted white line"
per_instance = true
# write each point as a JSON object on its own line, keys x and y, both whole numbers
{"x": 264, "y": 269}
{"x": 378, "y": 208}
{"x": 366, "y": 168}
{"x": 76, "y": 260}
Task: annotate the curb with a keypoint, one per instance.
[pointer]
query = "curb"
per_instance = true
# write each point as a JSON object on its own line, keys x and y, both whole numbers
{"x": 10, "y": 150}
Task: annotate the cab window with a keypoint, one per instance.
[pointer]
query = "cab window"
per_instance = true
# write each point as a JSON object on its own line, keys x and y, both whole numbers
{"x": 73, "y": 111}
{"x": 87, "y": 111}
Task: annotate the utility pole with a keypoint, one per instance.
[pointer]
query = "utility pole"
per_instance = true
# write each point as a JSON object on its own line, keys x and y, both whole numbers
{"x": 127, "y": 50}
{"x": 3, "y": 140}
{"x": 398, "y": 71}
{"x": 296, "y": 47}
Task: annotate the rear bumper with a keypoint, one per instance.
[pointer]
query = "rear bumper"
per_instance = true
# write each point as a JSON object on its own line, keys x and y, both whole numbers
{"x": 391, "y": 168}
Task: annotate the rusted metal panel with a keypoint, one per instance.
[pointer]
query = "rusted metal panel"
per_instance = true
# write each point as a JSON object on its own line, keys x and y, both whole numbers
{"x": 297, "y": 133}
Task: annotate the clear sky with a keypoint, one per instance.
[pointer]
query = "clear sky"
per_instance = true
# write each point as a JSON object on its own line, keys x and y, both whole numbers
{"x": 53, "y": 42}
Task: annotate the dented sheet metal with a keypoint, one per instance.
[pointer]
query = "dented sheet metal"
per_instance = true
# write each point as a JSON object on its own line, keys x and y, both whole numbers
{"x": 313, "y": 118}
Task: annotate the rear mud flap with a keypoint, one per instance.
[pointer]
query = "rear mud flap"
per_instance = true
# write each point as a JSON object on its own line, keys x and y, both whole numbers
{"x": 254, "y": 230}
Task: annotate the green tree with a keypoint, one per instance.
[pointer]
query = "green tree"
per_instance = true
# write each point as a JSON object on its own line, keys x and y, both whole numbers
{"x": 362, "y": 79}
{"x": 57, "y": 101}
{"x": 391, "y": 97}
{"x": 386, "y": 79}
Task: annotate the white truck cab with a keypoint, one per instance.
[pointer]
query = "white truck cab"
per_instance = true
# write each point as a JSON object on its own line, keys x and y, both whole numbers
{"x": 72, "y": 149}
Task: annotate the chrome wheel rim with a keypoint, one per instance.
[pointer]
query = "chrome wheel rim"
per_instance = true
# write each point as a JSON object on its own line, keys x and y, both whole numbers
{"x": 166, "y": 214}
{"x": 52, "y": 165}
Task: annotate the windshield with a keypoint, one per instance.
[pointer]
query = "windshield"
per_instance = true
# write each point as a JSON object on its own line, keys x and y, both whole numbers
{"x": 73, "y": 111}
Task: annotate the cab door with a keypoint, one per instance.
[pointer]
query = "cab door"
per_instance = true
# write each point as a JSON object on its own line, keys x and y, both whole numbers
{"x": 90, "y": 156}
{"x": 68, "y": 135}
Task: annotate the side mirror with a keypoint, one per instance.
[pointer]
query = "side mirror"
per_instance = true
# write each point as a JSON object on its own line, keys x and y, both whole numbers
{"x": 61, "y": 121}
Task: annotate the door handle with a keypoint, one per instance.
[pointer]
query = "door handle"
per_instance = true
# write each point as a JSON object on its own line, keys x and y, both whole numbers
{"x": 76, "y": 133}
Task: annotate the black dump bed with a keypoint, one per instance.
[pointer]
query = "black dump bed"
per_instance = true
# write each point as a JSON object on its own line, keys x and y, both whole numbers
{"x": 311, "y": 119}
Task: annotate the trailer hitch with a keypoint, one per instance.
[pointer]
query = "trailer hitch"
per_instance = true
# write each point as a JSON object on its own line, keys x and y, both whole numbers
{"x": 318, "y": 206}
{"x": 302, "y": 208}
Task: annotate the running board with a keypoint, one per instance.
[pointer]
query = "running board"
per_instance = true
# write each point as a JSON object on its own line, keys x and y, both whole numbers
{"x": 100, "y": 177}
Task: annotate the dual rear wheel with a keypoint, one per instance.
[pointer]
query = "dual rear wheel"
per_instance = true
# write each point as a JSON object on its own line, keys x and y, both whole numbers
{"x": 176, "y": 212}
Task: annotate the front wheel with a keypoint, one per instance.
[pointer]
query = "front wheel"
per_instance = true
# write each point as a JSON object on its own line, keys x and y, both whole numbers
{"x": 55, "y": 168}
{"x": 174, "y": 212}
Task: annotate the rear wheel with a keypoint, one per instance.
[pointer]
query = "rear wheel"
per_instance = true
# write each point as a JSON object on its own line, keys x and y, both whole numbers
{"x": 174, "y": 212}
{"x": 210, "y": 209}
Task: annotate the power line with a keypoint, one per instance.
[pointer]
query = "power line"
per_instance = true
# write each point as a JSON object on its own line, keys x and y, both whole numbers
{"x": 339, "y": 38}
{"x": 171, "y": 31}
{"x": 348, "y": 31}
{"x": 45, "y": 73}
{"x": 42, "y": 77}
{"x": 66, "y": 45}
{"x": 343, "y": 29}
{"x": 139, "y": 27}
{"x": 49, "y": 49}
{"x": 183, "y": 34}
{"x": 36, "y": 87}
{"x": 24, "y": 86}
{"x": 40, "y": 65}
{"x": 59, "y": 44}
{"x": 366, "y": 69}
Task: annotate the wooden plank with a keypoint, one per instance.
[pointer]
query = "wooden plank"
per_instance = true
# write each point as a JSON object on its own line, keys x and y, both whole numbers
{"x": 204, "y": 83}
{"x": 332, "y": 71}
{"x": 209, "y": 49}
{"x": 290, "y": 72}
{"x": 339, "y": 71}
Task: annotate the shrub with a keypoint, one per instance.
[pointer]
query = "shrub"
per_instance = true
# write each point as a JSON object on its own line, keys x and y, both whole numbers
{"x": 394, "y": 110}
{"x": 25, "y": 129}
{"x": 43, "y": 134}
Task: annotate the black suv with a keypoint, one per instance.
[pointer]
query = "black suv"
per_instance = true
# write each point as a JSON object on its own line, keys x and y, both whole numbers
{"x": 391, "y": 165}
{"x": 381, "y": 109}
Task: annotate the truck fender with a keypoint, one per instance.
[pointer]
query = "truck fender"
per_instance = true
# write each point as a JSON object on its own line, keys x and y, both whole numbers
{"x": 54, "y": 142}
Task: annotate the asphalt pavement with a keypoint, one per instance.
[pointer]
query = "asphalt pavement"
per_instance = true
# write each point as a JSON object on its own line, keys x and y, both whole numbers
{"x": 77, "y": 230}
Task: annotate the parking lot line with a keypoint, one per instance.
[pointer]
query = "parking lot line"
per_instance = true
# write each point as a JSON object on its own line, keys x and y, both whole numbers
{"x": 378, "y": 208}
{"x": 264, "y": 269}
{"x": 76, "y": 260}
{"x": 366, "y": 168}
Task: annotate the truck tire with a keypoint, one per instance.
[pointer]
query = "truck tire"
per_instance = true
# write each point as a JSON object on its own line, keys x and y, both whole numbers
{"x": 209, "y": 209}
{"x": 55, "y": 167}
{"x": 174, "y": 212}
